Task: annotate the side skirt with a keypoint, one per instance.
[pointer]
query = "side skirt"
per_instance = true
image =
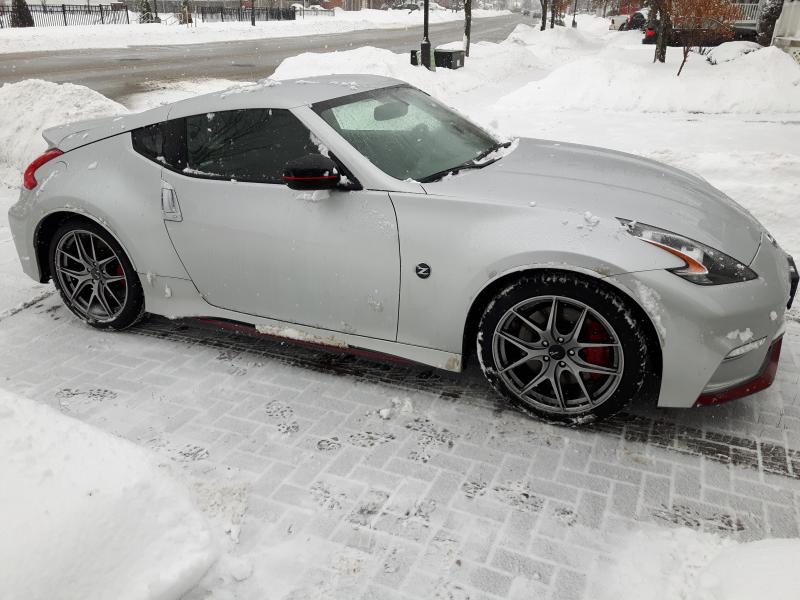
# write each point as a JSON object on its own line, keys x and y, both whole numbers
{"x": 178, "y": 298}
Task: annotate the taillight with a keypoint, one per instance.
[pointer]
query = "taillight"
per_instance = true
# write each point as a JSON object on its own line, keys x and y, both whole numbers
{"x": 29, "y": 180}
{"x": 650, "y": 33}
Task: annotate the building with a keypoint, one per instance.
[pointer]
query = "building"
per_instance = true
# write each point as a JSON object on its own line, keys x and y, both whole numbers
{"x": 787, "y": 29}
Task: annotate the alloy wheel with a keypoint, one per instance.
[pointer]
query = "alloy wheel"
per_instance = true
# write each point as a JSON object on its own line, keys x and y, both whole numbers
{"x": 557, "y": 354}
{"x": 91, "y": 276}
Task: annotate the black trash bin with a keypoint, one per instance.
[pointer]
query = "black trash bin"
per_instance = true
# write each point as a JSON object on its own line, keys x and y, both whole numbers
{"x": 415, "y": 58}
{"x": 449, "y": 59}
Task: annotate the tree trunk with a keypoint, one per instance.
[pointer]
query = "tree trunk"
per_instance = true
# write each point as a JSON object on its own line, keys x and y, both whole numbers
{"x": 664, "y": 32}
{"x": 20, "y": 14}
{"x": 553, "y": 4}
{"x": 467, "y": 24}
{"x": 683, "y": 62}
{"x": 544, "y": 14}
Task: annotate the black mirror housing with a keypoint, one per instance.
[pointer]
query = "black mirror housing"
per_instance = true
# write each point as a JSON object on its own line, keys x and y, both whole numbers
{"x": 311, "y": 172}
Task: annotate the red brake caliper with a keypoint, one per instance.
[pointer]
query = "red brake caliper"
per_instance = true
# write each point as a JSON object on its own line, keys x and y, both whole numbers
{"x": 594, "y": 332}
{"x": 121, "y": 273}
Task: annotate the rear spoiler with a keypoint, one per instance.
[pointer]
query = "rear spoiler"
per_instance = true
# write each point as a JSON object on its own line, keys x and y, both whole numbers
{"x": 74, "y": 135}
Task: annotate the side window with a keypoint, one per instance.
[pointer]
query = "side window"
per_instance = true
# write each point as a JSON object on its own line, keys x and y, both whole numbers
{"x": 163, "y": 143}
{"x": 245, "y": 145}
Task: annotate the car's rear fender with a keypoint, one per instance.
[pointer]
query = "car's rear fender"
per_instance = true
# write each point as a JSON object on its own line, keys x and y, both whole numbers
{"x": 110, "y": 184}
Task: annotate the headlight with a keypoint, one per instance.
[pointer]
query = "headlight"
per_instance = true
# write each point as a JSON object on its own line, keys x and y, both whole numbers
{"x": 703, "y": 265}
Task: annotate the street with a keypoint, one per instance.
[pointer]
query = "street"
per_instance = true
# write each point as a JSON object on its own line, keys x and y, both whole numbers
{"x": 120, "y": 72}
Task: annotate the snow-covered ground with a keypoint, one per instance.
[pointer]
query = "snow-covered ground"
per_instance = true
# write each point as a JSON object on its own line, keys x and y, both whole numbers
{"x": 71, "y": 511}
{"x": 120, "y": 36}
{"x": 735, "y": 123}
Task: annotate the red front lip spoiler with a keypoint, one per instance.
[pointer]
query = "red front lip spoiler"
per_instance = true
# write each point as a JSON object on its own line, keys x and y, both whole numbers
{"x": 761, "y": 381}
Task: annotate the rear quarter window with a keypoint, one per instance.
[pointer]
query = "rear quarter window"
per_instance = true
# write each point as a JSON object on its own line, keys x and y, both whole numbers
{"x": 163, "y": 143}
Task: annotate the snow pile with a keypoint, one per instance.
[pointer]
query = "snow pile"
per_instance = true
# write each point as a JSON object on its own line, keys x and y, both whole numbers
{"x": 685, "y": 564}
{"x": 87, "y": 515}
{"x": 554, "y": 46}
{"x": 121, "y": 36}
{"x": 488, "y": 63}
{"x": 730, "y": 50}
{"x": 30, "y": 106}
{"x": 767, "y": 80}
{"x": 565, "y": 68}
{"x": 745, "y": 571}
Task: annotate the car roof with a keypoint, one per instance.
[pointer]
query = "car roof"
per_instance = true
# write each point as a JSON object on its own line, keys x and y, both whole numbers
{"x": 289, "y": 93}
{"x": 267, "y": 93}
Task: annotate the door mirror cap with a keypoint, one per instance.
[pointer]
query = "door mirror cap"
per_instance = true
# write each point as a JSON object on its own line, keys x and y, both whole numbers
{"x": 311, "y": 172}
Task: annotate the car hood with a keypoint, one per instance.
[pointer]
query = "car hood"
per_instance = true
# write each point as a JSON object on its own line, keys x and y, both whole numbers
{"x": 578, "y": 179}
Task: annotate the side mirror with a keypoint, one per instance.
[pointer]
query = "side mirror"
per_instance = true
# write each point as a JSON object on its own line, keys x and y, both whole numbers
{"x": 311, "y": 172}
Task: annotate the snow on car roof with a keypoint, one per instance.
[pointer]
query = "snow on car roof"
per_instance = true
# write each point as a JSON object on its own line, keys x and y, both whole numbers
{"x": 289, "y": 93}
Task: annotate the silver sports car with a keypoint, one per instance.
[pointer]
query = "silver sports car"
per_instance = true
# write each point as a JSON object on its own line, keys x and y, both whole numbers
{"x": 357, "y": 211}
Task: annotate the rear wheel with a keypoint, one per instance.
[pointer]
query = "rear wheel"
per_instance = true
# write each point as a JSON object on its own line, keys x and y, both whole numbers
{"x": 96, "y": 280}
{"x": 564, "y": 348}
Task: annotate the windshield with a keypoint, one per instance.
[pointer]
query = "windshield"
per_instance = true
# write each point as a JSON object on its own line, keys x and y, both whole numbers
{"x": 406, "y": 133}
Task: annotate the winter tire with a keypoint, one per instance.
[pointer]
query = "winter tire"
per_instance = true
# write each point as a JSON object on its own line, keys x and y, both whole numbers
{"x": 564, "y": 347}
{"x": 95, "y": 278}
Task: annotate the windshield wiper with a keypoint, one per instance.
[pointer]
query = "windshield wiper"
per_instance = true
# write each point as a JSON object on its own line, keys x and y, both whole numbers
{"x": 470, "y": 164}
{"x": 489, "y": 150}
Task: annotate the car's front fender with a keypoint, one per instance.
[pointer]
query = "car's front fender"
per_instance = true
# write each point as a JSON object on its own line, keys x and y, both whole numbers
{"x": 469, "y": 245}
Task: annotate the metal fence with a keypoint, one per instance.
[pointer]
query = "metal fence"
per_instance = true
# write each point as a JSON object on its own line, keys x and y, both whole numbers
{"x": 211, "y": 14}
{"x": 70, "y": 14}
{"x": 749, "y": 11}
{"x": 98, "y": 14}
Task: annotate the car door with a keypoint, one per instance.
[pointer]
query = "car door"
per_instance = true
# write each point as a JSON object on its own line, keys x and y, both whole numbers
{"x": 250, "y": 244}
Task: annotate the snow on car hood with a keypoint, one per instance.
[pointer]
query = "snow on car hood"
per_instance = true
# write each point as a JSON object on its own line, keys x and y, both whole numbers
{"x": 576, "y": 179}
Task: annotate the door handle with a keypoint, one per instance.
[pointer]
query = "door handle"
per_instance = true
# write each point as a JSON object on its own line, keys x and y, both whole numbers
{"x": 170, "y": 209}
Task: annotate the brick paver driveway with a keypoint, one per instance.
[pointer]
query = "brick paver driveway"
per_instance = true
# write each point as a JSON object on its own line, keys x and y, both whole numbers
{"x": 436, "y": 488}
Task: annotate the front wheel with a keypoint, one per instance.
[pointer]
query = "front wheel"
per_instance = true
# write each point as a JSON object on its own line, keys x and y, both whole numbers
{"x": 95, "y": 278}
{"x": 564, "y": 348}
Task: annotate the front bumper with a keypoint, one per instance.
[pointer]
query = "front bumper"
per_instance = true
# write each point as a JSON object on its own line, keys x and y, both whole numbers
{"x": 700, "y": 326}
{"x": 761, "y": 381}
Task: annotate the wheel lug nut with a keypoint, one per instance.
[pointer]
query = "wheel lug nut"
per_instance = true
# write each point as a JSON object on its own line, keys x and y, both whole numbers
{"x": 560, "y": 340}
{"x": 562, "y": 364}
{"x": 544, "y": 343}
{"x": 571, "y": 352}
{"x": 546, "y": 358}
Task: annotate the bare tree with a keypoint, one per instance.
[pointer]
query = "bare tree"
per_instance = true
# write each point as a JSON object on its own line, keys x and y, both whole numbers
{"x": 661, "y": 17}
{"x": 20, "y": 14}
{"x": 544, "y": 14}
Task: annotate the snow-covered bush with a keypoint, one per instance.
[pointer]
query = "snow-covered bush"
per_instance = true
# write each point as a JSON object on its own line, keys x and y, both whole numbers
{"x": 730, "y": 51}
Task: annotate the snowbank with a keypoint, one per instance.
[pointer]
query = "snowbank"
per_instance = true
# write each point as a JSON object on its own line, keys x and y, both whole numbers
{"x": 767, "y": 80}
{"x": 27, "y": 108}
{"x": 685, "y": 564}
{"x": 489, "y": 63}
{"x": 121, "y": 36}
{"x": 553, "y": 47}
{"x": 85, "y": 515}
{"x": 32, "y": 105}
{"x": 730, "y": 50}
{"x": 567, "y": 68}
